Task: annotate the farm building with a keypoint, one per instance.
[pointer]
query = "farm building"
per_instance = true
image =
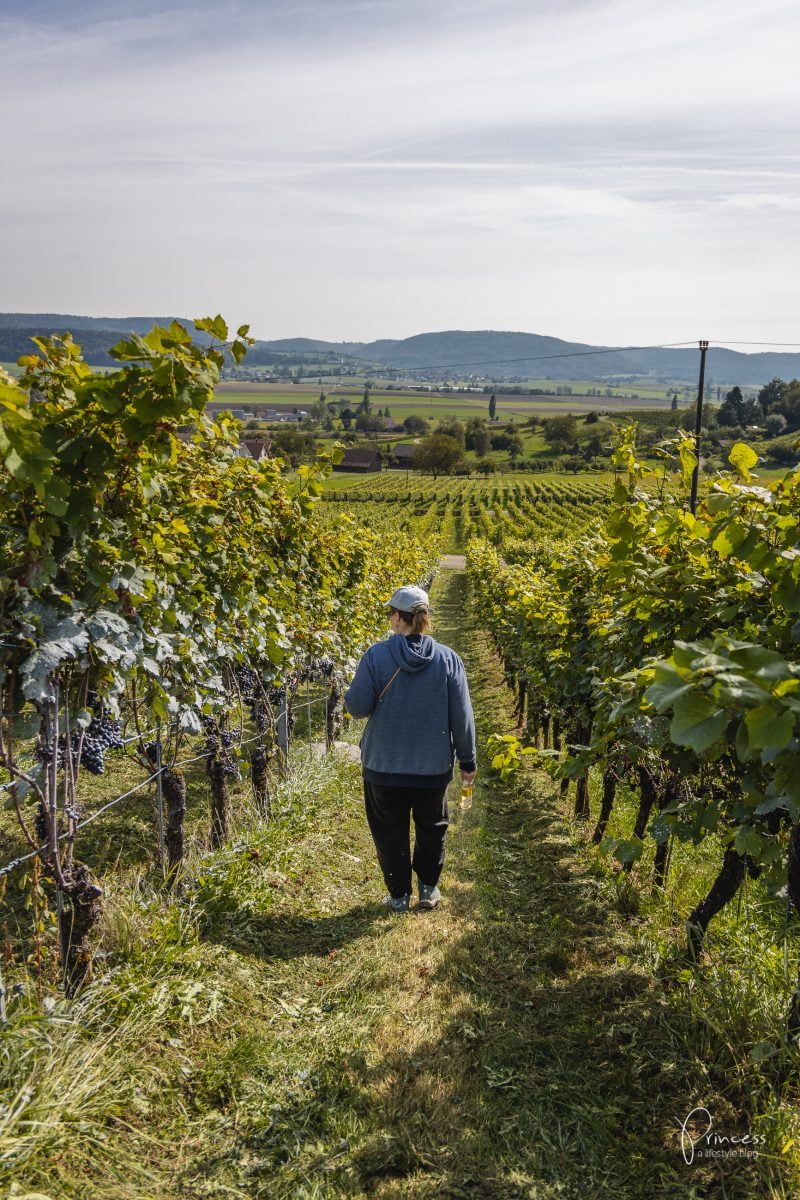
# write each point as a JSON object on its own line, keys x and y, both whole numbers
{"x": 403, "y": 454}
{"x": 256, "y": 448}
{"x": 239, "y": 414}
{"x": 360, "y": 460}
{"x": 274, "y": 414}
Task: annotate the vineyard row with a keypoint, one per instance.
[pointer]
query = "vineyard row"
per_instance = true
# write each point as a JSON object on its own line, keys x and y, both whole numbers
{"x": 663, "y": 652}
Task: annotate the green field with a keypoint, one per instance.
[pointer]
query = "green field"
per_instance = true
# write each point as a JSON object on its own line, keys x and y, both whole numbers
{"x": 340, "y": 481}
{"x": 355, "y": 384}
{"x": 435, "y": 405}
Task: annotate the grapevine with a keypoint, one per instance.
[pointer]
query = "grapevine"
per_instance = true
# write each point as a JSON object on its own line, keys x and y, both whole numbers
{"x": 152, "y": 579}
{"x": 665, "y": 647}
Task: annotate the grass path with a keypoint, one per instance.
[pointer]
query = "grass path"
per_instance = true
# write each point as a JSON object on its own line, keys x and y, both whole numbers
{"x": 499, "y": 1047}
{"x": 274, "y": 1034}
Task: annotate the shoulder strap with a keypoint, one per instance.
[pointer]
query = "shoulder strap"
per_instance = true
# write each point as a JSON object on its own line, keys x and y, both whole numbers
{"x": 389, "y": 684}
{"x": 383, "y": 693}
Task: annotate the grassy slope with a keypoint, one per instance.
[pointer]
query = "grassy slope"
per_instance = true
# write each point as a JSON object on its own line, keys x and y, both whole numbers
{"x": 276, "y": 1034}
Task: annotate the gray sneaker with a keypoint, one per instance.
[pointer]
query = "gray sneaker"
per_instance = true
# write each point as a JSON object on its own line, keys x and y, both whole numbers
{"x": 429, "y": 895}
{"x": 397, "y": 904}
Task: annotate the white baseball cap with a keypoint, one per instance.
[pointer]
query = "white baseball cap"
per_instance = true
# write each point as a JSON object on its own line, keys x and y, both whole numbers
{"x": 407, "y": 599}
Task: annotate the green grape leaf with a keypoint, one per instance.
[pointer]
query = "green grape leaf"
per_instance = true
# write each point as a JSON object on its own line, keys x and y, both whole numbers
{"x": 787, "y": 593}
{"x": 215, "y": 326}
{"x": 628, "y": 850}
{"x": 728, "y": 538}
{"x": 688, "y": 462}
{"x": 660, "y": 828}
{"x": 767, "y": 727}
{"x": 747, "y": 841}
{"x": 697, "y": 722}
{"x": 742, "y": 458}
{"x": 666, "y": 689}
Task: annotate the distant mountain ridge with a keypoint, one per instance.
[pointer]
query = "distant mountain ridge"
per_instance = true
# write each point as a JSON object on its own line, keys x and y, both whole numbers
{"x": 62, "y": 321}
{"x": 498, "y": 354}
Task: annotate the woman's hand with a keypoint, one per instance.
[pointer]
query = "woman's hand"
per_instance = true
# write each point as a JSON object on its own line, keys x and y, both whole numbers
{"x": 468, "y": 776}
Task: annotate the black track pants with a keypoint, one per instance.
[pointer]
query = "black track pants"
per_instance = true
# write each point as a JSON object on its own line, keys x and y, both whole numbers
{"x": 388, "y": 813}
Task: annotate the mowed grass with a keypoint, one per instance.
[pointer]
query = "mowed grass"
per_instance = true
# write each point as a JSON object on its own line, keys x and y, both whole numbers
{"x": 276, "y": 1035}
{"x": 273, "y": 1034}
{"x": 340, "y": 481}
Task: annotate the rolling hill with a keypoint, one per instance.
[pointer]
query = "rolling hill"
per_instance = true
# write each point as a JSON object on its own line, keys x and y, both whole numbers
{"x": 486, "y": 353}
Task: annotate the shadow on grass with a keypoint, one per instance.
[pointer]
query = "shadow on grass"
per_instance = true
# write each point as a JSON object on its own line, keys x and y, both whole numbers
{"x": 281, "y": 935}
{"x": 127, "y": 834}
{"x": 559, "y": 1068}
{"x": 558, "y": 1075}
{"x": 554, "y": 1077}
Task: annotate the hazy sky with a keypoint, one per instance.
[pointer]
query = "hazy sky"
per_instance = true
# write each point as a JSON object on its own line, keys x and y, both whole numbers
{"x": 599, "y": 170}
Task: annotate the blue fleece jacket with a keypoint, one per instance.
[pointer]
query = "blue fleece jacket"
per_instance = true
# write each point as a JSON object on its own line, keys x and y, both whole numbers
{"x": 423, "y": 718}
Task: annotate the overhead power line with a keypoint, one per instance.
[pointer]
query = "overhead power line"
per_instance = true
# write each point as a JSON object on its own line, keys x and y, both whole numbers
{"x": 720, "y": 343}
{"x": 495, "y": 362}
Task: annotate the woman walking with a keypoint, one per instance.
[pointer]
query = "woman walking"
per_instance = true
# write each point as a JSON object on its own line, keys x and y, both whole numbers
{"x": 414, "y": 692}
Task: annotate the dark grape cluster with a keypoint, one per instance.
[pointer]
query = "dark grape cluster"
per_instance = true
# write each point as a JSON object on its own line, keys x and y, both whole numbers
{"x": 317, "y": 668}
{"x": 106, "y": 732}
{"x": 46, "y": 750}
{"x": 151, "y": 752}
{"x": 217, "y": 742}
{"x": 93, "y": 758}
{"x": 216, "y": 738}
{"x": 643, "y": 728}
{"x": 40, "y": 823}
{"x": 102, "y": 734}
{"x": 247, "y": 681}
{"x": 314, "y": 669}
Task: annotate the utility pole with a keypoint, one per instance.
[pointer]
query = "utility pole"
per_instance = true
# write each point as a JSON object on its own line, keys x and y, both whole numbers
{"x": 698, "y": 425}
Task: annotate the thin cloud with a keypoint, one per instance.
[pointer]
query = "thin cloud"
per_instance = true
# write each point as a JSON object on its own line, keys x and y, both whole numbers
{"x": 783, "y": 202}
{"x": 312, "y": 149}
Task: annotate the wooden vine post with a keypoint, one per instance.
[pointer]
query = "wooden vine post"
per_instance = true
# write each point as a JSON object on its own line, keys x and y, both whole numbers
{"x": 160, "y": 798}
{"x": 263, "y": 750}
{"x": 174, "y": 787}
{"x": 333, "y": 710}
{"x": 283, "y": 733}
{"x": 218, "y": 769}
{"x": 259, "y": 779}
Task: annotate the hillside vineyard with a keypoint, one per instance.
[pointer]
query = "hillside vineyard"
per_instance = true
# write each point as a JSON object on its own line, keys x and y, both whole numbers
{"x": 186, "y": 874}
